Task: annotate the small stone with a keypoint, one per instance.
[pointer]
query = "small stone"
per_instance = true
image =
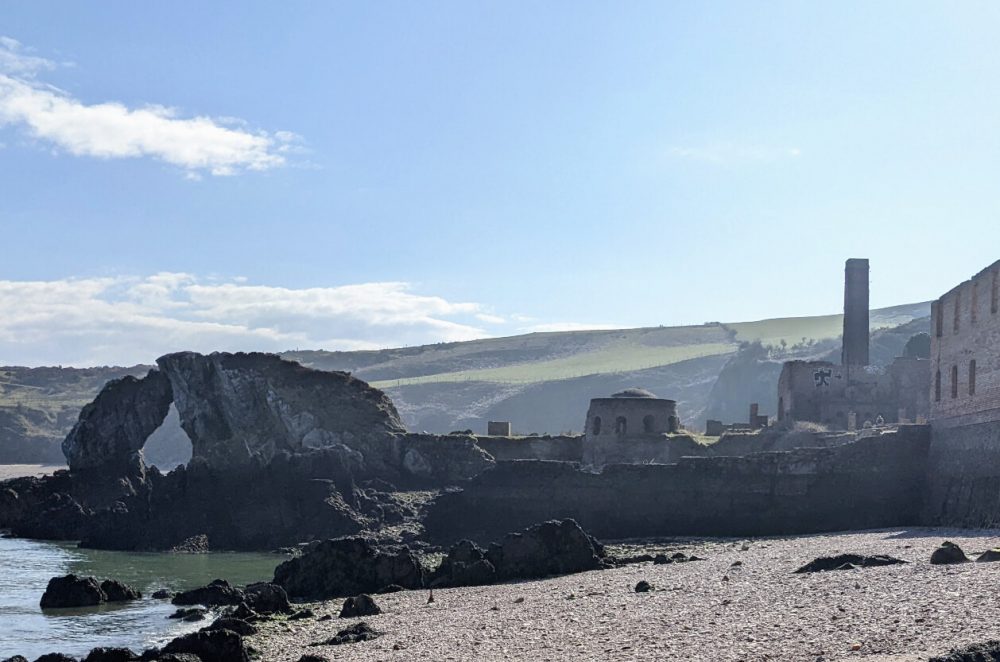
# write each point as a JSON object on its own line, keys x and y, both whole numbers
{"x": 643, "y": 587}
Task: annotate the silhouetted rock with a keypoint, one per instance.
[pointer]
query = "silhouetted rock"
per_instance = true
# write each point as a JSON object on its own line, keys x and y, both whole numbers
{"x": 348, "y": 566}
{"x": 847, "y": 562}
{"x": 988, "y": 651}
{"x": 313, "y": 658}
{"x": 237, "y": 625}
{"x": 72, "y": 591}
{"x": 549, "y": 548}
{"x": 162, "y": 594}
{"x": 189, "y": 614}
{"x": 116, "y": 591}
{"x": 352, "y": 635}
{"x": 56, "y": 657}
{"x": 111, "y": 655}
{"x": 16, "y": 658}
{"x": 359, "y": 606}
{"x": 211, "y": 646}
{"x": 989, "y": 556}
{"x": 643, "y": 587}
{"x": 465, "y": 565}
{"x": 219, "y": 592}
{"x": 267, "y": 598}
{"x": 948, "y": 553}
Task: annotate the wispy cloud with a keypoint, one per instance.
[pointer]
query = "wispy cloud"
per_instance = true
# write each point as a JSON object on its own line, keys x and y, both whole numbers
{"x": 218, "y": 146}
{"x": 729, "y": 154}
{"x": 115, "y": 320}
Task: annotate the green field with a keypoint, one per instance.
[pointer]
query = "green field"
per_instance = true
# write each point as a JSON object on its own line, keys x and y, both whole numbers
{"x": 624, "y": 357}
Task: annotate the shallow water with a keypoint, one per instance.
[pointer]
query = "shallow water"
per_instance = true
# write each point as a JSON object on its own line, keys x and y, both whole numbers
{"x": 27, "y": 565}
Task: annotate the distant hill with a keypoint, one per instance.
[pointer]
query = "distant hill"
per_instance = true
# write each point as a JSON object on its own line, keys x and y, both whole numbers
{"x": 541, "y": 382}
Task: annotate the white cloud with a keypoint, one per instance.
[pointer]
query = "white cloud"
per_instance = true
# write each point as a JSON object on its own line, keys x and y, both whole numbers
{"x": 125, "y": 320}
{"x": 728, "y": 154}
{"x": 112, "y": 130}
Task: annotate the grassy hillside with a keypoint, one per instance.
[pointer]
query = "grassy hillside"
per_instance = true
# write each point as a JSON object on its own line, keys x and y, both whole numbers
{"x": 542, "y": 382}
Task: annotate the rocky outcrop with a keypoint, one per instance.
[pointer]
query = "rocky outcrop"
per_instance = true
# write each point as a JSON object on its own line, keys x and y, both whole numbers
{"x": 542, "y": 550}
{"x": 235, "y": 407}
{"x": 114, "y": 427}
{"x": 216, "y": 645}
{"x": 72, "y": 591}
{"x": 348, "y": 566}
{"x": 217, "y": 593}
{"x": 359, "y": 606}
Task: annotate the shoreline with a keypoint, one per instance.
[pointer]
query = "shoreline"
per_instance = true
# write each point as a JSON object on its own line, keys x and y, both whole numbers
{"x": 715, "y": 609}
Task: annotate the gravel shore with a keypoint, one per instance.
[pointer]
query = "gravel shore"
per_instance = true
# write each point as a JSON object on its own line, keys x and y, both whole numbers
{"x": 714, "y": 610}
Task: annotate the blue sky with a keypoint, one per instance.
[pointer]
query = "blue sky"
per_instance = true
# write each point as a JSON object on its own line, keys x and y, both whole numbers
{"x": 343, "y": 175}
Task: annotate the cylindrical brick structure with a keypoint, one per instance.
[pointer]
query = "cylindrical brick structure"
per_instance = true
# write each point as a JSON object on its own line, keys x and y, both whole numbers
{"x": 855, "y": 347}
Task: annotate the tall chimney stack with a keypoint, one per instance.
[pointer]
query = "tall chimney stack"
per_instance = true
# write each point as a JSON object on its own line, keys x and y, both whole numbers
{"x": 855, "y": 349}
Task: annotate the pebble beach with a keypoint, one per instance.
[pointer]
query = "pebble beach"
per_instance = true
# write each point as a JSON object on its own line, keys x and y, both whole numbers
{"x": 743, "y": 602}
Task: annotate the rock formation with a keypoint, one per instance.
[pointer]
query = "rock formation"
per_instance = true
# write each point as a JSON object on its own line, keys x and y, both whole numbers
{"x": 277, "y": 451}
{"x": 114, "y": 427}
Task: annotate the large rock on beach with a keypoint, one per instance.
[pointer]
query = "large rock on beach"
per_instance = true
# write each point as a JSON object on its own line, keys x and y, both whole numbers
{"x": 72, "y": 591}
{"x": 117, "y": 591}
{"x": 348, "y": 566}
{"x": 359, "y": 606}
{"x": 948, "y": 553}
{"x": 211, "y": 646}
{"x": 217, "y": 593}
{"x": 543, "y": 550}
{"x": 550, "y": 548}
{"x": 988, "y": 651}
{"x": 267, "y": 598}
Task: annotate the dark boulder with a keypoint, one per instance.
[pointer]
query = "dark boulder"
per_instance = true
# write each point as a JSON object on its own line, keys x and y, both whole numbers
{"x": 72, "y": 591}
{"x": 546, "y": 549}
{"x": 189, "y": 614}
{"x": 989, "y": 556}
{"x": 465, "y": 565}
{"x": 116, "y": 591}
{"x": 162, "y": 594}
{"x": 352, "y": 635}
{"x": 16, "y": 658}
{"x": 237, "y": 625}
{"x": 56, "y": 657}
{"x": 211, "y": 646}
{"x": 948, "y": 553}
{"x": 313, "y": 658}
{"x": 848, "y": 562}
{"x": 217, "y": 593}
{"x": 360, "y": 606}
{"x": 348, "y": 566}
{"x": 111, "y": 655}
{"x": 988, "y": 651}
{"x": 643, "y": 587}
{"x": 267, "y": 598}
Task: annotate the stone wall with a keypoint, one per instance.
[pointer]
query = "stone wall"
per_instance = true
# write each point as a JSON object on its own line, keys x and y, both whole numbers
{"x": 963, "y": 476}
{"x": 559, "y": 448}
{"x": 965, "y": 352}
{"x": 874, "y": 482}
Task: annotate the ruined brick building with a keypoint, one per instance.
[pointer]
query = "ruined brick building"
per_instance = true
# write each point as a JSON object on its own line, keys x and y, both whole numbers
{"x": 854, "y": 392}
{"x": 965, "y": 352}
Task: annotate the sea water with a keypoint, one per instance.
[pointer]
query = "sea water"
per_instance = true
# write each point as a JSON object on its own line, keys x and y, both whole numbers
{"x": 27, "y": 565}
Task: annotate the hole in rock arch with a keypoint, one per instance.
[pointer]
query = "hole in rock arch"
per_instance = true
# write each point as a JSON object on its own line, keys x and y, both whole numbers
{"x": 169, "y": 446}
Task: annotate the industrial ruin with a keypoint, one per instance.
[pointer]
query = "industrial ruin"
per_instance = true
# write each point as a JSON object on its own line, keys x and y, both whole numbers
{"x": 855, "y": 394}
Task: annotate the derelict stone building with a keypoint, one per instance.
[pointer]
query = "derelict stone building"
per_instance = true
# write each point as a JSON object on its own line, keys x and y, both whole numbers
{"x": 618, "y": 427}
{"x": 855, "y": 392}
{"x": 965, "y": 352}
